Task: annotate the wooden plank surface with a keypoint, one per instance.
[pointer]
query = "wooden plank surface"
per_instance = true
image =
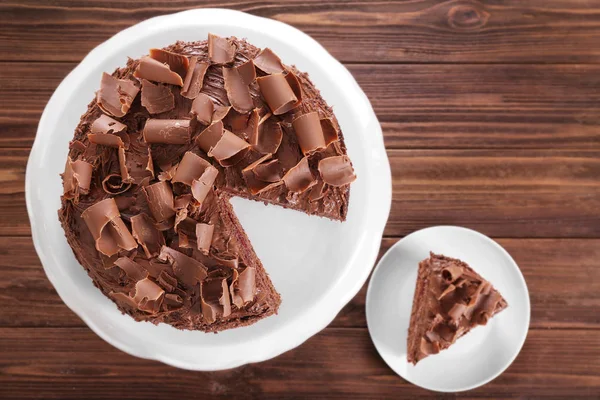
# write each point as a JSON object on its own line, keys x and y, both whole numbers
{"x": 420, "y": 106}
{"x": 366, "y": 31}
{"x": 491, "y": 117}
{"x": 502, "y": 193}
{"x": 561, "y": 296}
{"x": 64, "y": 363}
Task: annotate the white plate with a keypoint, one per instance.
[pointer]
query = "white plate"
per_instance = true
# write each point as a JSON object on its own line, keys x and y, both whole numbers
{"x": 480, "y": 355}
{"x": 317, "y": 265}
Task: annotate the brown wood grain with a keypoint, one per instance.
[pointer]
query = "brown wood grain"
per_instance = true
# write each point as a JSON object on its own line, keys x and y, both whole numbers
{"x": 502, "y": 193}
{"x": 391, "y": 31}
{"x": 562, "y": 275}
{"x": 336, "y": 363}
{"x": 420, "y": 106}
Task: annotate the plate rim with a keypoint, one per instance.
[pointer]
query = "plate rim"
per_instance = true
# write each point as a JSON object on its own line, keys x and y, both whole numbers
{"x": 519, "y": 274}
{"x": 303, "y": 332}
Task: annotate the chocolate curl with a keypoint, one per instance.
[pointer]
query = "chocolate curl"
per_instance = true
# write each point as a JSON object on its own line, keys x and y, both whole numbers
{"x": 167, "y": 131}
{"x": 247, "y": 72}
{"x": 214, "y": 299}
{"x": 337, "y": 171}
{"x": 113, "y": 184}
{"x": 153, "y": 70}
{"x": 123, "y": 299}
{"x": 106, "y": 124}
{"x": 299, "y": 178}
{"x": 456, "y": 312}
{"x": 330, "y": 134}
{"x": 107, "y": 228}
{"x": 148, "y": 296}
{"x": 116, "y": 95}
{"x": 245, "y": 125}
{"x": 268, "y": 136}
{"x": 238, "y": 92}
{"x": 309, "y": 133}
{"x": 123, "y": 166}
{"x": 271, "y": 171}
{"x": 203, "y": 185}
{"x": 204, "y": 235}
{"x": 203, "y": 108}
{"x": 194, "y": 78}
{"x": 451, "y": 273}
{"x": 108, "y": 139}
{"x": 210, "y": 136}
{"x": 191, "y": 167}
{"x": 156, "y": 98}
{"x": 268, "y": 62}
{"x": 220, "y": 112}
{"x": 146, "y": 234}
{"x": 446, "y": 291}
{"x": 255, "y": 185}
{"x": 281, "y": 92}
{"x": 77, "y": 145}
{"x": 186, "y": 269}
{"x": 76, "y": 179}
{"x": 133, "y": 270}
{"x": 220, "y": 50}
{"x": 243, "y": 287}
{"x": 168, "y": 173}
{"x": 317, "y": 192}
{"x": 160, "y": 200}
{"x": 228, "y": 149}
{"x": 488, "y": 307}
{"x": 168, "y": 282}
{"x": 176, "y": 62}
{"x": 429, "y": 348}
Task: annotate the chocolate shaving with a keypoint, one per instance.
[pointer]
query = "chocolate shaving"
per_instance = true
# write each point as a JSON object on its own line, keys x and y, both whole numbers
{"x": 133, "y": 270}
{"x": 330, "y": 134}
{"x": 227, "y": 148}
{"x": 220, "y": 112}
{"x": 317, "y": 192}
{"x": 77, "y": 145}
{"x": 194, "y": 78}
{"x": 167, "y": 173}
{"x": 146, "y": 234}
{"x": 203, "y": 185}
{"x": 160, "y": 200}
{"x": 210, "y": 136}
{"x": 449, "y": 289}
{"x": 106, "y": 139}
{"x": 268, "y": 137}
{"x": 337, "y": 171}
{"x": 168, "y": 282}
{"x": 186, "y": 269}
{"x": 153, "y": 70}
{"x": 148, "y": 295}
{"x": 123, "y": 299}
{"x": 309, "y": 133}
{"x": 238, "y": 92}
{"x": 220, "y": 50}
{"x": 243, "y": 287}
{"x": 247, "y": 72}
{"x": 278, "y": 92}
{"x": 429, "y": 348}
{"x": 157, "y": 98}
{"x": 125, "y": 178}
{"x": 116, "y": 95}
{"x": 113, "y": 184}
{"x": 167, "y": 131}
{"x": 457, "y": 310}
{"x": 268, "y": 62}
{"x": 244, "y": 125}
{"x": 271, "y": 171}
{"x": 76, "y": 179}
{"x": 451, "y": 273}
{"x": 299, "y": 178}
{"x": 176, "y": 62}
{"x": 107, "y": 228}
{"x": 191, "y": 167}
{"x": 215, "y": 300}
{"x": 106, "y": 124}
{"x": 255, "y": 185}
{"x": 203, "y": 108}
{"x": 204, "y": 235}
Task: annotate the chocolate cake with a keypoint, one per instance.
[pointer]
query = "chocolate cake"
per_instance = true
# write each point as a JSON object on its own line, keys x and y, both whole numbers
{"x": 167, "y": 141}
{"x": 450, "y": 300}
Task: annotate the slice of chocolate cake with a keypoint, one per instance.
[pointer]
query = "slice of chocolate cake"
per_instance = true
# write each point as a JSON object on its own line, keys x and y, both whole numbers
{"x": 450, "y": 299}
{"x": 165, "y": 143}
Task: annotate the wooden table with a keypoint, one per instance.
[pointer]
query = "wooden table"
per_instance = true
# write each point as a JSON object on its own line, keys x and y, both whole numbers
{"x": 491, "y": 116}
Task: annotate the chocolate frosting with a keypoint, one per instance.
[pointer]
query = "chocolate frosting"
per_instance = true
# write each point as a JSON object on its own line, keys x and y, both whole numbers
{"x": 164, "y": 243}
